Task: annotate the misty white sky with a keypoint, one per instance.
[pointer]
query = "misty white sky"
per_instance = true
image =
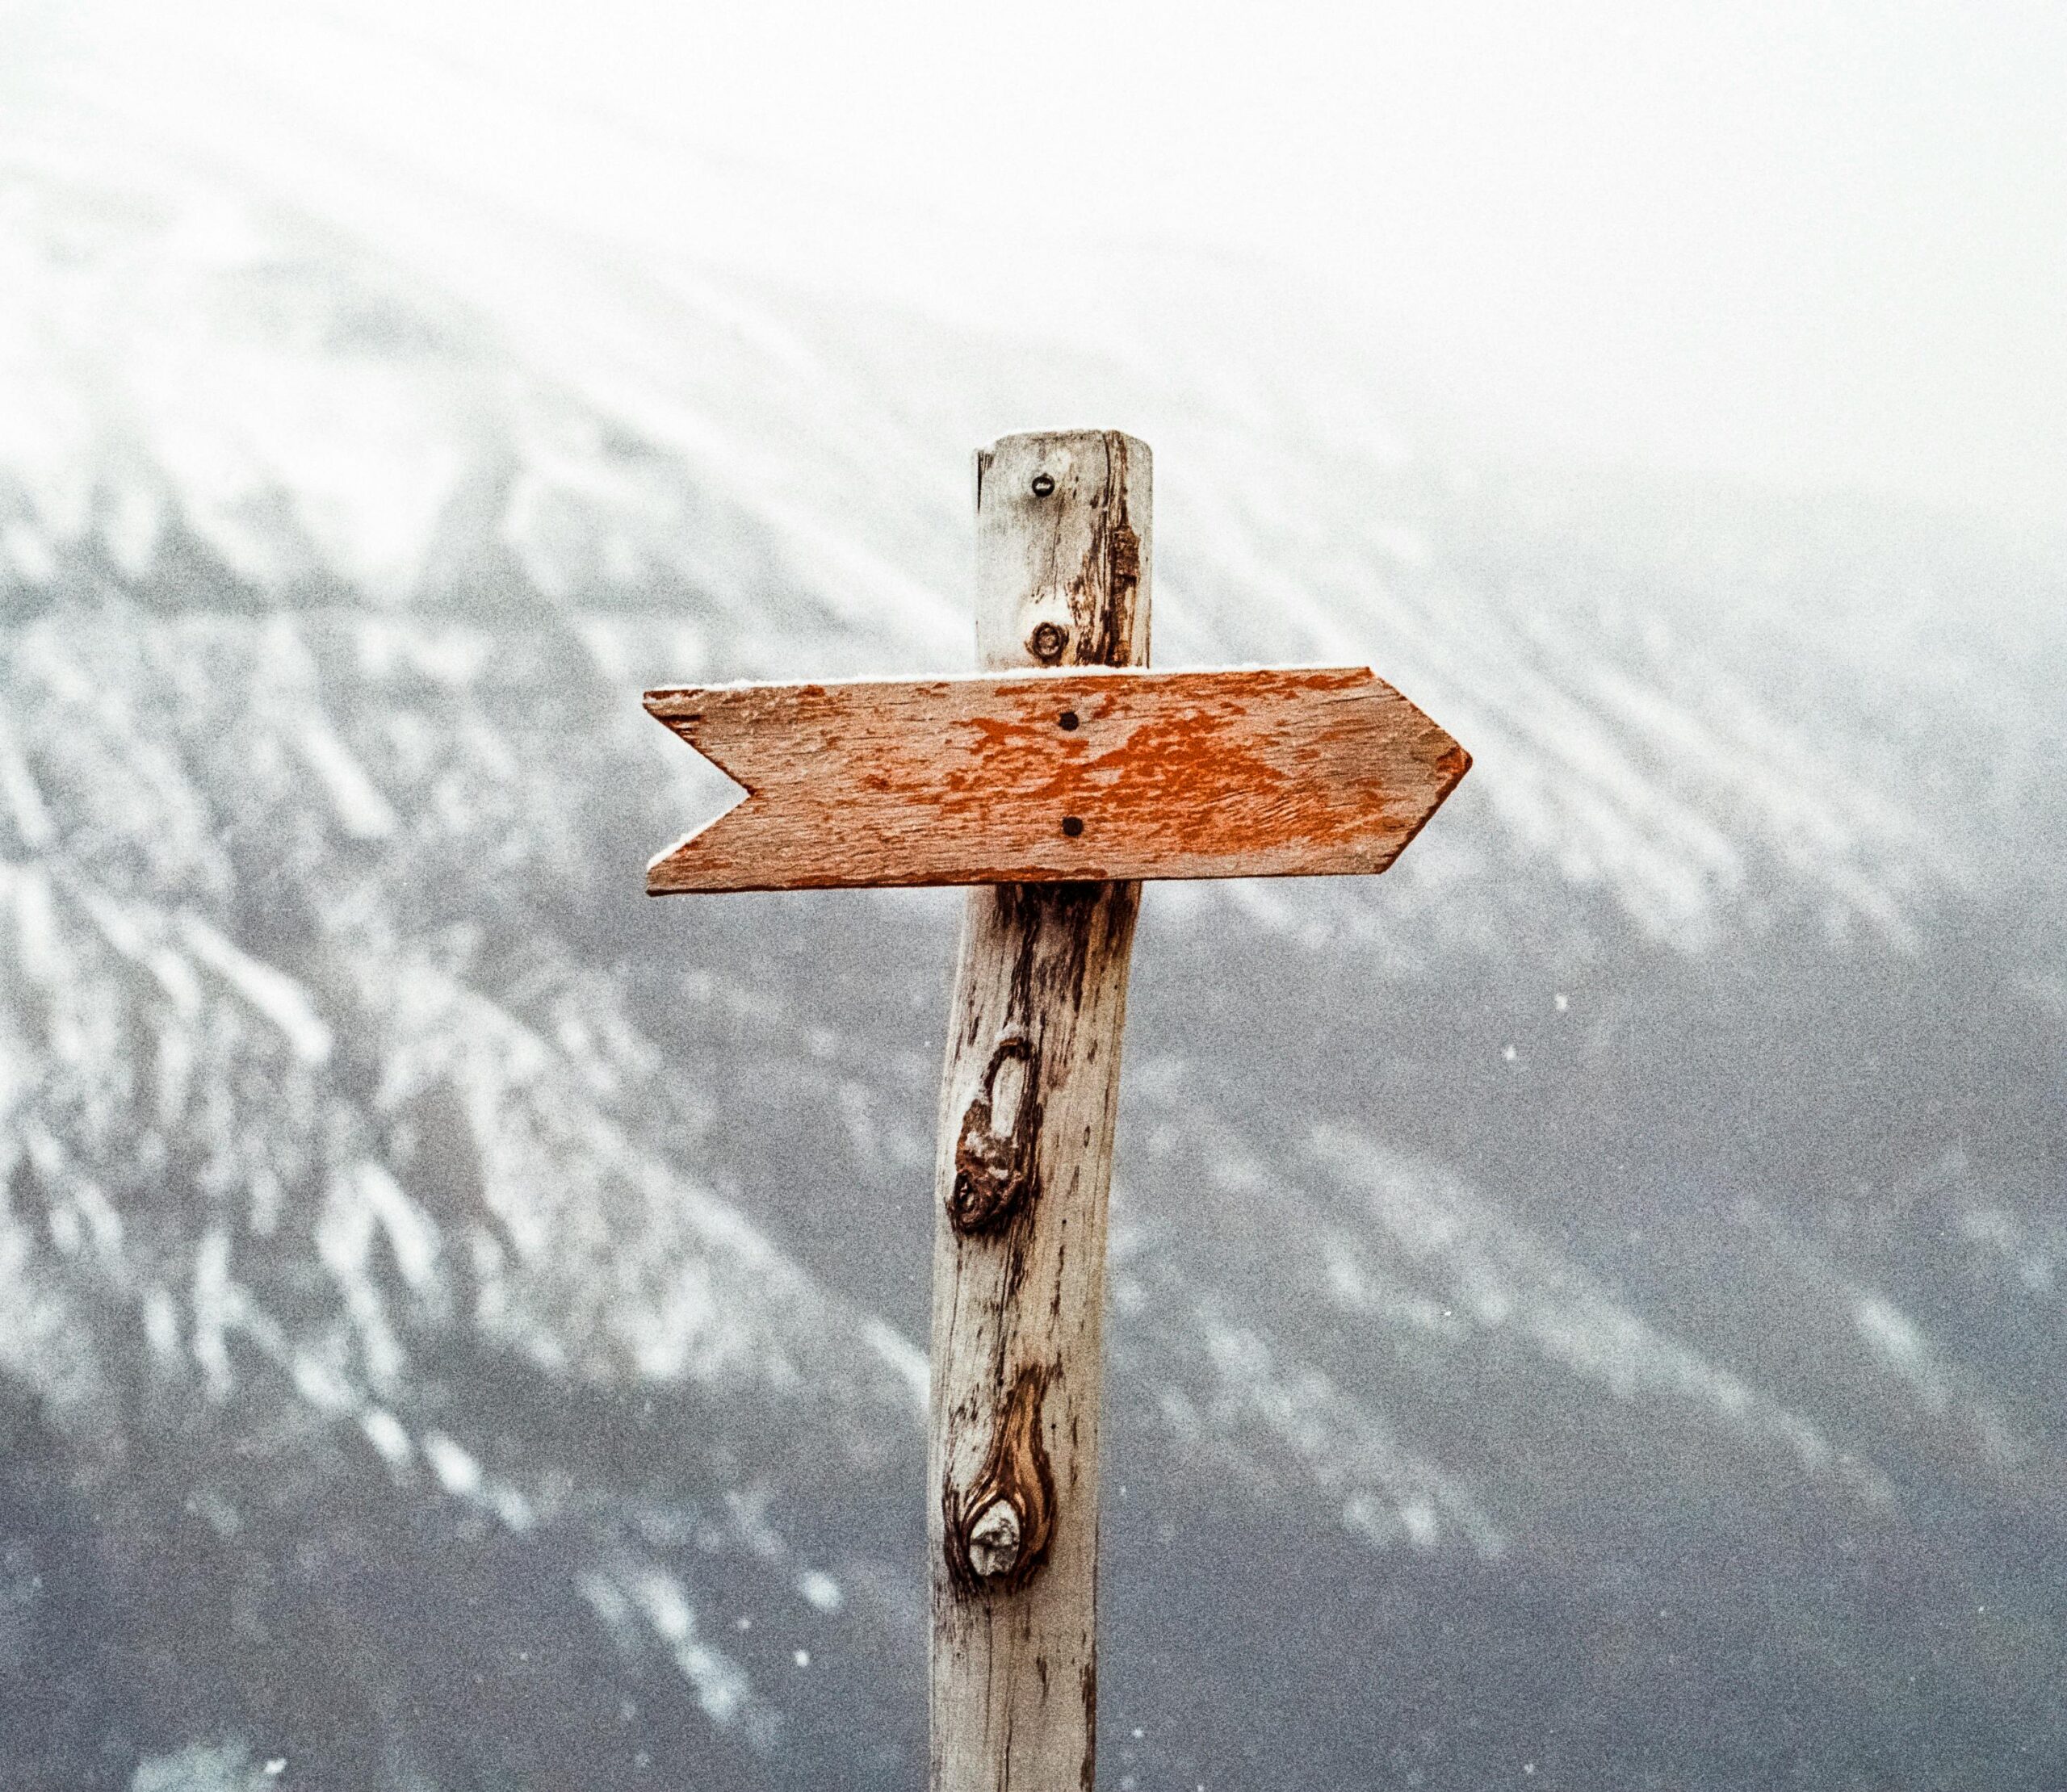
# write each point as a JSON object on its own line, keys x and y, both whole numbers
{"x": 1821, "y": 247}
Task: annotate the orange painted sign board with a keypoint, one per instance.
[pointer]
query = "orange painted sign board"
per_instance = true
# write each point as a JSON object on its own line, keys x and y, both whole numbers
{"x": 1034, "y": 777}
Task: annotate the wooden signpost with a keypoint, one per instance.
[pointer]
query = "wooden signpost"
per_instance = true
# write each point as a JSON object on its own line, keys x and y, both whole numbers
{"x": 1052, "y": 784}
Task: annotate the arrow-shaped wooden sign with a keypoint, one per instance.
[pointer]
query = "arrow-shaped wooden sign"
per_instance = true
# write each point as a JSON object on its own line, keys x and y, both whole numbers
{"x": 1047, "y": 777}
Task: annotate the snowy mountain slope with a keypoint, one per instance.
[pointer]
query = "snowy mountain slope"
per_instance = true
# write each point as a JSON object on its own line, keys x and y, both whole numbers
{"x": 1589, "y": 1299}
{"x": 322, "y": 1111}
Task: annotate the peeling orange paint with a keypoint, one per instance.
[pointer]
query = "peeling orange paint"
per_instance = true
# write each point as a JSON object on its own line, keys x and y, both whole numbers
{"x": 1279, "y": 772}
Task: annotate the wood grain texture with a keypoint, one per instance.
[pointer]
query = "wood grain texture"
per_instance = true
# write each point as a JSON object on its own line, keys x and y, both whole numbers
{"x": 1282, "y": 771}
{"x": 1028, "y": 1098}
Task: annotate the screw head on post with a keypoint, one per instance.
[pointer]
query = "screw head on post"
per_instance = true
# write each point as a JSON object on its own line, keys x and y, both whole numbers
{"x": 1043, "y": 484}
{"x": 1047, "y": 642}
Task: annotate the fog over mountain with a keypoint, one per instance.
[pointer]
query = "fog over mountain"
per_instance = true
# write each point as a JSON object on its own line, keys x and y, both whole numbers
{"x": 1586, "y": 1308}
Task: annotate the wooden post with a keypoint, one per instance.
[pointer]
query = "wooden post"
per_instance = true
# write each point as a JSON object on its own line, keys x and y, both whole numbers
{"x": 1028, "y": 1098}
{"x": 1028, "y": 787}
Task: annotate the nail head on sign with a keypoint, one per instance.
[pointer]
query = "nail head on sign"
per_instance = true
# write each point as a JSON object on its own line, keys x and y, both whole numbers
{"x": 1068, "y": 720}
{"x": 1072, "y": 825}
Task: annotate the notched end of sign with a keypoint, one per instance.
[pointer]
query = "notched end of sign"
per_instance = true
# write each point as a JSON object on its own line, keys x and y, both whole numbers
{"x": 676, "y": 871}
{"x": 673, "y": 871}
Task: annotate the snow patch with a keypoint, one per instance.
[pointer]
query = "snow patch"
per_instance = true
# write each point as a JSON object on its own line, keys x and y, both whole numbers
{"x": 271, "y": 991}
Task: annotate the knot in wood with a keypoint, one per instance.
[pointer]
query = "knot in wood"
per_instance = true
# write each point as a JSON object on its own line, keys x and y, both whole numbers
{"x": 994, "y": 1153}
{"x": 994, "y": 1539}
{"x": 997, "y": 1530}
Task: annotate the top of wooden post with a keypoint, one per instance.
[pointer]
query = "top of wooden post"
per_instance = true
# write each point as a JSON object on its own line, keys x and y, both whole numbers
{"x": 1062, "y": 550}
{"x": 1028, "y": 1099}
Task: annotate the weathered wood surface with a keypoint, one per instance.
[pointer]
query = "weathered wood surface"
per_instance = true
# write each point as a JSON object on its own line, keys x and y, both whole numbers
{"x": 1028, "y": 1098}
{"x": 1283, "y": 772}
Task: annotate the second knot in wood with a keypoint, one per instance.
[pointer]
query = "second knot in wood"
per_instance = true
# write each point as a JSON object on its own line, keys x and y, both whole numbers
{"x": 994, "y": 1154}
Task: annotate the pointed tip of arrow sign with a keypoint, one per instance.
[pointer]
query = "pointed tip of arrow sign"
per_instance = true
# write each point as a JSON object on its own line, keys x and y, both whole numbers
{"x": 1448, "y": 770}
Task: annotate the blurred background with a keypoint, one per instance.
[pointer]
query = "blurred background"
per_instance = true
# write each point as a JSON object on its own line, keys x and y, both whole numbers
{"x": 1586, "y": 1308}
